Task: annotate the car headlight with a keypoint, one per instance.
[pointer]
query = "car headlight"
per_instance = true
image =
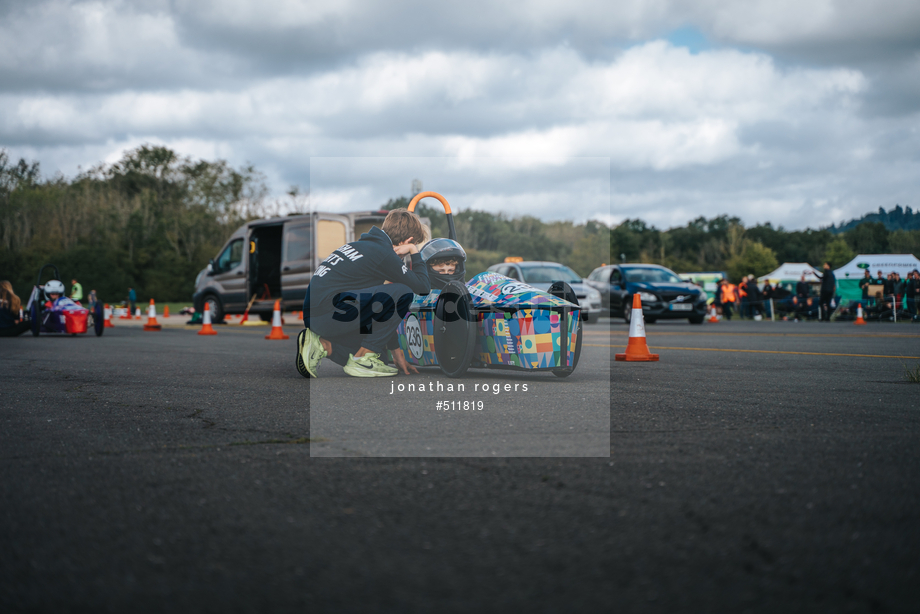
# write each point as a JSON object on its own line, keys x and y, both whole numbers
{"x": 593, "y": 296}
{"x": 647, "y": 297}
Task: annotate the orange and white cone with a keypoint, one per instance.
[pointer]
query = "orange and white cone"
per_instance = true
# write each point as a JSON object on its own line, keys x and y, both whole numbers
{"x": 152, "y": 323}
{"x": 166, "y": 311}
{"x": 277, "y": 331}
{"x": 859, "y": 315}
{"x": 712, "y": 315}
{"x": 137, "y": 313}
{"x": 206, "y": 328}
{"x": 108, "y": 318}
{"x": 636, "y": 347}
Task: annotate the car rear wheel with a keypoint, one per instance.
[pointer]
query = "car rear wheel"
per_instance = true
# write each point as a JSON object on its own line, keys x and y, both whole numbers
{"x": 216, "y": 308}
{"x": 627, "y": 313}
{"x": 562, "y": 290}
{"x": 454, "y": 329}
{"x": 98, "y": 319}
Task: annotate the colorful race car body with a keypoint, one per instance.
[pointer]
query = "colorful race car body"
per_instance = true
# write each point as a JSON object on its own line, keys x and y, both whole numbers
{"x": 64, "y": 316}
{"x": 51, "y": 312}
{"x": 517, "y": 326}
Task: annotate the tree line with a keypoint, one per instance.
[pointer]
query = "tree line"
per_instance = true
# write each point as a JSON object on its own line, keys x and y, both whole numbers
{"x": 154, "y": 219}
{"x": 150, "y": 221}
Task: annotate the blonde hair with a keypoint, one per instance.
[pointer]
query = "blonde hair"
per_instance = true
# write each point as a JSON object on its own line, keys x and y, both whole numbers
{"x": 8, "y": 298}
{"x": 402, "y": 224}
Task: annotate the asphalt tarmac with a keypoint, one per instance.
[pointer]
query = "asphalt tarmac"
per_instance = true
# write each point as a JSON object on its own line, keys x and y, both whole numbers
{"x": 756, "y": 467}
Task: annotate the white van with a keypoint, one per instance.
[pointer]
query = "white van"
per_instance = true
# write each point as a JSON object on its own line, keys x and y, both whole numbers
{"x": 274, "y": 259}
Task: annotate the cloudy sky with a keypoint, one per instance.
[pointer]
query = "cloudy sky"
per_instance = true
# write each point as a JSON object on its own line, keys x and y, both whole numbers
{"x": 801, "y": 113}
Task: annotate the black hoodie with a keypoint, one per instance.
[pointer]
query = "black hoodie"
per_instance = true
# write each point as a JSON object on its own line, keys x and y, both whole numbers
{"x": 368, "y": 262}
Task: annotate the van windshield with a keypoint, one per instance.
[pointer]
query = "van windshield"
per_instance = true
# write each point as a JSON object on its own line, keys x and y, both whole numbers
{"x": 651, "y": 274}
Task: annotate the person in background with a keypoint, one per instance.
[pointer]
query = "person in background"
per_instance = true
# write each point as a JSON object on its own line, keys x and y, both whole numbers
{"x": 132, "y": 300}
{"x": 728, "y": 295}
{"x": 889, "y": 285}
{"x": 864, "y": 286}
{"x": 753, "y": 292}
{"x": 76, "y": 291}
{"x": 801, "y": 289}
{"x": 10, "y": 305}
{"x": 92, "y": 300}
{"x": 912, "y": 290}
{"x": 828, "y": 288}
{"x": 743, "y": 311}
{"x": 766, "y": 294}
{"x": 717, "y": 296}
{"x": 898, "y": 289}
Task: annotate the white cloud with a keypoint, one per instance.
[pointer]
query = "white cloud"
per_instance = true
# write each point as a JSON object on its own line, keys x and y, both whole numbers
{"x": 722, "y": 130}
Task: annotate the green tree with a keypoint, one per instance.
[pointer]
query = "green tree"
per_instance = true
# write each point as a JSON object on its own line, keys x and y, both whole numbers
{"x": 838, "y": 253}
{"x": 868, "y": 238}
{"x": 754, "y": 259}
{"x": 905, "y": 242}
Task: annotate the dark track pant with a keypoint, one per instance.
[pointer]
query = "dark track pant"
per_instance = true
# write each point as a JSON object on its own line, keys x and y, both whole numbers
{"x": 364, "y": 318}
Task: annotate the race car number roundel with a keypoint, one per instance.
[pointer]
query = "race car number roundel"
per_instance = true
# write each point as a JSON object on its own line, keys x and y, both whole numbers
{"x": 414, "y": 336}
{"x": 516, "y": 288}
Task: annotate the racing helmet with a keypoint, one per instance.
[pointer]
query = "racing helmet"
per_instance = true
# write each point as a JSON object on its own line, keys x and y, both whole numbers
{"x": 54, "y": 287}
{"x": 444, "y": 248}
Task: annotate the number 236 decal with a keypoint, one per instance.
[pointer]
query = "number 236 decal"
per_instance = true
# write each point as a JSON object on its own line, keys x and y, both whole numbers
{"x": 414, "y": 336}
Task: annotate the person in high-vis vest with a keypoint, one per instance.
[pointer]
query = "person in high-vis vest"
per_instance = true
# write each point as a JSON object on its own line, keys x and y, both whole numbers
{"x": 729, "y": 295}
{"x": 76, "y": 291}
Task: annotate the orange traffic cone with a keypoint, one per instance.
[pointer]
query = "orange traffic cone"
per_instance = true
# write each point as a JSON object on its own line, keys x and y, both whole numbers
{"x": 206, "y": 328}
{"x": 152, "y": 323}
{"x": 859, "y": 315}
{"x": 137, "y": 313}
{"x": 277, "y": 331}
{"x": 108, "y": 318}
{"x": 126, "y": 315}
{"x": 166, "y": 311}
{"x": 636, "y": 347}
{"x": 712, "y": 315}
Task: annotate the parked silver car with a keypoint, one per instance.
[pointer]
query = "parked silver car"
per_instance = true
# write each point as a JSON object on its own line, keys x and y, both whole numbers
{"x": 541, "y": 275}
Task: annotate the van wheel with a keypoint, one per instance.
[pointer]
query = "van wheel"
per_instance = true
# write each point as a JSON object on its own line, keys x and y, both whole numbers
{"x": 266, "y": 317}
{"x": 217, "y": 308}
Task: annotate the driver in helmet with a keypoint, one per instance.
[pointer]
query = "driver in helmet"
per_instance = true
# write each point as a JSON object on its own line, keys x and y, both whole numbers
{"x": 54, "y": 290}
{"x": 445, "y": 260}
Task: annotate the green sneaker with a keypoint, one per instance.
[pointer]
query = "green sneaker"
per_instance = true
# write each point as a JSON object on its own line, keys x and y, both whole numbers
{"x": 368, "y": 365}
{"x": 309, "y": 353}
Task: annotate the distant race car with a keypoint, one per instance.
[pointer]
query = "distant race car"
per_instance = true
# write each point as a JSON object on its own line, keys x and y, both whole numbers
{"x": 52, "y": 312}
{"x": 490, "y": 322}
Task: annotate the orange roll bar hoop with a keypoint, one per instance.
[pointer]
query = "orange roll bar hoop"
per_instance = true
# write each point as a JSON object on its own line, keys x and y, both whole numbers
{"x": 452, "y": 233}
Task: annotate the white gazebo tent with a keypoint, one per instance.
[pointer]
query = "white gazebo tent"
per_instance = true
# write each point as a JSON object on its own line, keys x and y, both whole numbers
{"x": 791, "y": 271}
{"x": 848, "y": 275}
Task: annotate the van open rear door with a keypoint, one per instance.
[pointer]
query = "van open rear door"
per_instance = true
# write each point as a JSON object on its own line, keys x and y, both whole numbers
{"x": 307, "y": 241}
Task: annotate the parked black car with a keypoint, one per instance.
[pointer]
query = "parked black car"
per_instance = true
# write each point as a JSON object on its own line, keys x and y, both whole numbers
{"x": 664, "y": 295}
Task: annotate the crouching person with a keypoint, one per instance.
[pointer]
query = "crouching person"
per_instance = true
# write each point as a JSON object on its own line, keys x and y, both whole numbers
{"x": 350, "y": 314}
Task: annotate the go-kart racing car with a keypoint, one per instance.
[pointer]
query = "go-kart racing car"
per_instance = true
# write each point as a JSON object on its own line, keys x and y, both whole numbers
{"x": 491, "y": 322}
{"x": 52, "y": 312}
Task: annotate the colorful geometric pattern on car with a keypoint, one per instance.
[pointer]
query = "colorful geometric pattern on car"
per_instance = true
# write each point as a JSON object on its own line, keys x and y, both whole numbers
{"x": 490, "y": 288}
{"x": 529, "y": 337}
